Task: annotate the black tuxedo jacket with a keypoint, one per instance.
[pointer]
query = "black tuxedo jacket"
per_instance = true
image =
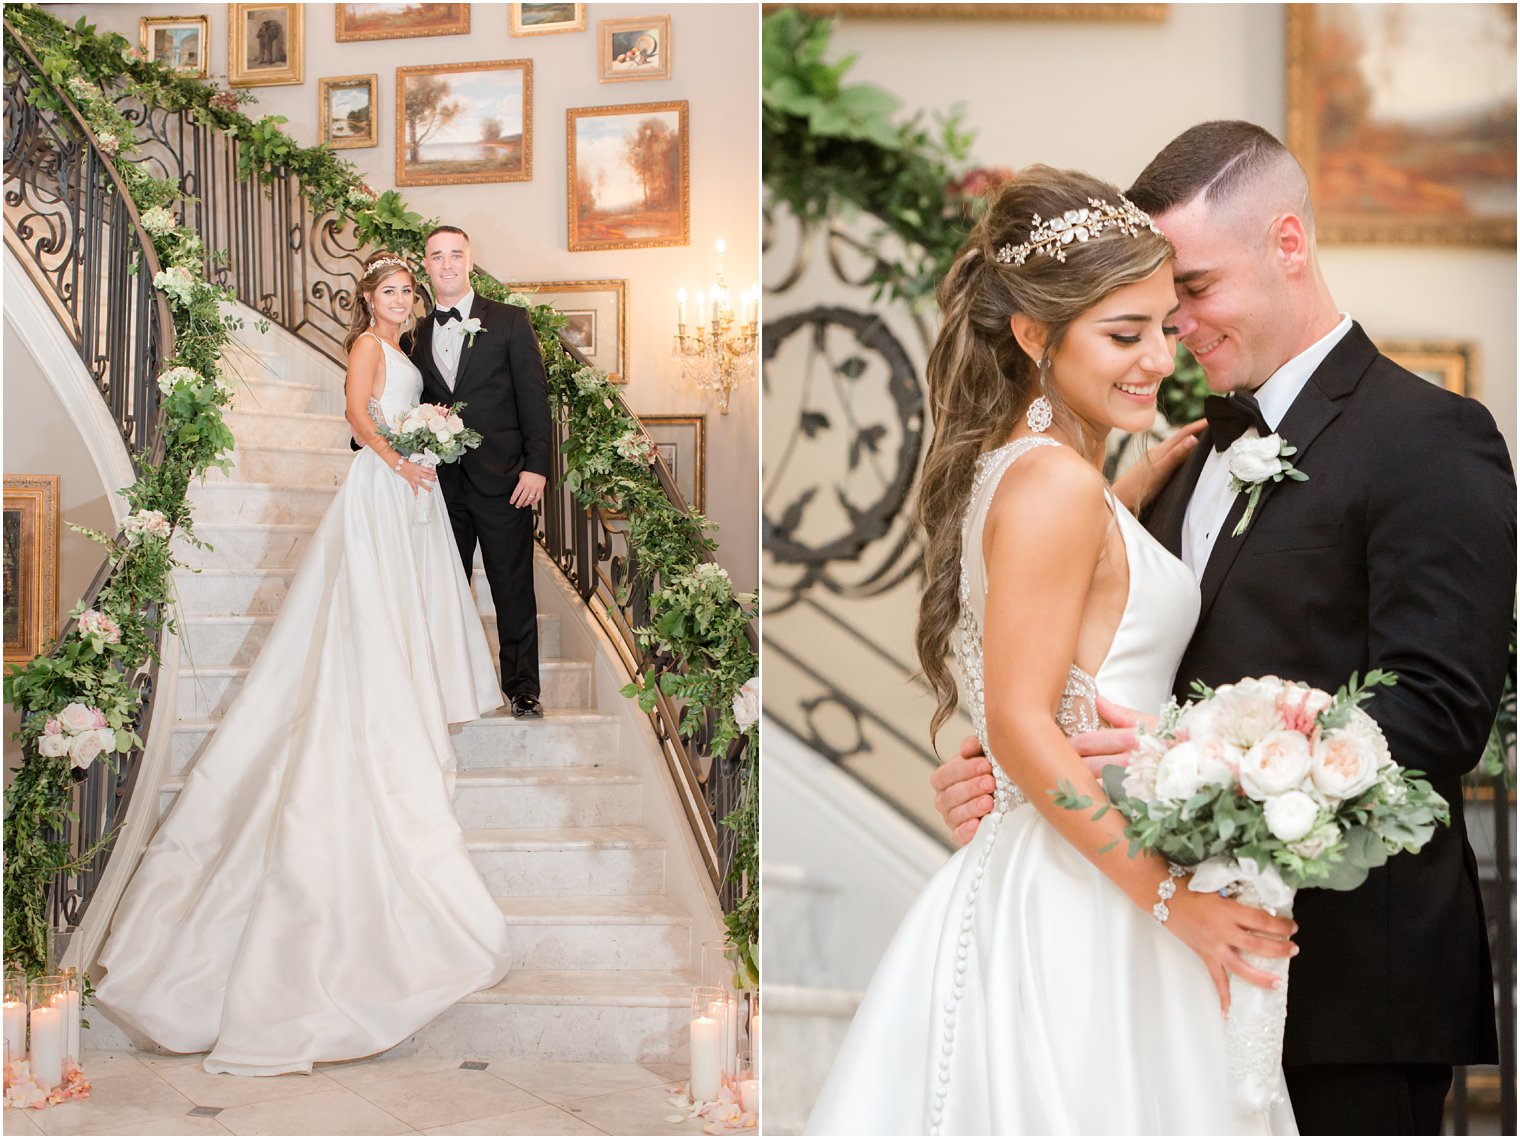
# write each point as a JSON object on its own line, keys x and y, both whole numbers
{"x": 1397, "y": 553}
{"x": 501, "y": 381}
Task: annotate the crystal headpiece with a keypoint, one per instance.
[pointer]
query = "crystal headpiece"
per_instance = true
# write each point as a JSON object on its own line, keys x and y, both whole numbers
{"x": 1051, "y": 237}
{"x": 379, "y": 261}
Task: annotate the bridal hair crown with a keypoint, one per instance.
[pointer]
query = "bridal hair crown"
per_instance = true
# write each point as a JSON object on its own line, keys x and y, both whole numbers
{"x": 379, "y": 261}
{"x": 1051, "y": 237}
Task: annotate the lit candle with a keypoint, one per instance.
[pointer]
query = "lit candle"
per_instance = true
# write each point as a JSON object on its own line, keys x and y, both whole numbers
{"x": 67, "y": 1002}
{"x": 15, "y": 1028}
{"x": 680, "y": 306}
{"x": 749, "y": 1095}
{"x": 47, "y": 1047}
{"x": 721, "y": 247}
{"x": 706, "y": 1069}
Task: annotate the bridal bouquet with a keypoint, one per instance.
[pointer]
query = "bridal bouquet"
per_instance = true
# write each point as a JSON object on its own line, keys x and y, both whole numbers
{"x": 431, "y": 434}
{"x": 1264, "y": 788}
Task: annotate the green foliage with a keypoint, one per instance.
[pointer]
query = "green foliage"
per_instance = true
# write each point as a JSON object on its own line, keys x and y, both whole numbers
{"x": 1499, "y": 753}
{"x": 698, "y": 625}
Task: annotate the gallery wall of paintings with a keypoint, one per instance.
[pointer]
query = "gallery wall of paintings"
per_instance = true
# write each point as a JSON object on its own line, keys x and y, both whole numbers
{"x": 517, "y": 123}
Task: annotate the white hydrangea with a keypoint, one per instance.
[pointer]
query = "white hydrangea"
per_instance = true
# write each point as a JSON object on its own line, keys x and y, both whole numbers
{"x": 711, "y": 573}
{"x": 82, "y": 88}
{"x": 108, "y": 142}
{"x": 169, "y": 379}
{"x": 177, "y": 283}
{"x": 635, "y": 446}
{"x": 589, "y": 379}
{"x": 158, "y": 220}
{"x": 149, "y": 522}
{"x": 521, "y": 300}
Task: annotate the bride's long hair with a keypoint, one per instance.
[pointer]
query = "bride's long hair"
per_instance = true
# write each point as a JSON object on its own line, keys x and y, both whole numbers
{"x": 980, "y": 381}
{"x": 378, "y": 268}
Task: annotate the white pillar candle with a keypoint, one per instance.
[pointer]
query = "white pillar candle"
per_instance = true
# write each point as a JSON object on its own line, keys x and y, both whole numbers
{"x": 47, "y": 1047}
{"x": 749, "y": 1095}
{"x": 754, "y": 1043}
{"x": 15, "y": 1029}
{"x": 726, "y": 1013}
{"x": 706, "y": 1070}
{"x": 67, "y": 1002}
{"x": 681, "y": 306}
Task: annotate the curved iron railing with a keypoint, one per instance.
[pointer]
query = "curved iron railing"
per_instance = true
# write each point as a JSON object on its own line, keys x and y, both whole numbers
{"x": 300, "y": 269}
{"x": 72, "y": 225}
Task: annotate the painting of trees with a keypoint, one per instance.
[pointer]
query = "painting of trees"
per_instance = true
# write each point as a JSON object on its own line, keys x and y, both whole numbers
{"x": 427, "y": 110}
{"x": 630, "y": 180}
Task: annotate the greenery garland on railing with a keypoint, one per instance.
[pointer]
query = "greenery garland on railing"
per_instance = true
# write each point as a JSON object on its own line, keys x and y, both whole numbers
{"x": 827, "y": 146}
{"x": 697, "y": 618}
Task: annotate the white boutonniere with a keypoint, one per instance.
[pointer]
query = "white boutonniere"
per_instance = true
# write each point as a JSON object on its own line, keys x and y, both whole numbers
{"x": 1256, "y": 462}
{"x": 470, "y": 328}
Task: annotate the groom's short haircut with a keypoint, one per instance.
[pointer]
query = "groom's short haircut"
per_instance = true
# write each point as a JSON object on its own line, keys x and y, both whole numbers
{"x": 437, "y": 229}
{"x": 1219, "y": 160}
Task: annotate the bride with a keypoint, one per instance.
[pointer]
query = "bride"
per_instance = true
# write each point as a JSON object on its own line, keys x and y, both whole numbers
{"x": 310, "y": 897}
{"x": 1045, "y": 982}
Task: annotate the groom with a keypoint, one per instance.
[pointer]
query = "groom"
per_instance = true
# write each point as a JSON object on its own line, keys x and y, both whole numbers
{"x": 1397, "y": 553}
{"x": 498, "y": 372}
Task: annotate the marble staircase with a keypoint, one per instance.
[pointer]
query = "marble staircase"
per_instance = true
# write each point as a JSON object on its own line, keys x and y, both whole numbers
{"x": 553, "y": 816}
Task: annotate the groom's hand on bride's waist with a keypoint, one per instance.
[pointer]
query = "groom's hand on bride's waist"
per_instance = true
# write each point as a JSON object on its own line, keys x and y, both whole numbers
{"x": 963, "y": 787}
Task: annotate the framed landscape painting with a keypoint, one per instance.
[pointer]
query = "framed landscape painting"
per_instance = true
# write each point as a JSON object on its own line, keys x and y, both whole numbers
{"x": 176, "y": 41}
{"x": 1404, "y": 118}
{"x": 681, "y": 442}
{"x": 264, "y": 44}
{"x": 400, "y": 21}
{"x": 464, "y": 122}
{"x": 634, "y": 49}
{"x": 545, "y": 19}
{"x": 29, "y": 529}
{"x": 1449, "y": 364}
{"x": 598, "y": 314}
{"x": 347, "y": 107}
{"x": 629, "y": 176}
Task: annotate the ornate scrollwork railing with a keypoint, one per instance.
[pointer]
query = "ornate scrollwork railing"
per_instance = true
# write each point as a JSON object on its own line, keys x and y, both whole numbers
{"x": 300, "y": 268}
{"x": 72, "y": 225}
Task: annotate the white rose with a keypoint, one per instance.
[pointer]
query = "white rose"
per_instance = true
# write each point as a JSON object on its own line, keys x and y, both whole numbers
{"x": 1177, "y": 775}
{"x": 456, "y": 424}
{"x": 1246, "y": 713}
{"x": 1255, "y": 460}
{"x": 1291, "y": 815}
{"x": 1317, "y": 842}
{"x": 747, "y": 704}
{"x": 77, "y": 718}
{"x": 85, "y": 749}
{"x": 53, "y": 746}
{"x": 1345, "y": 765}
{"x": 1278, "y": 763}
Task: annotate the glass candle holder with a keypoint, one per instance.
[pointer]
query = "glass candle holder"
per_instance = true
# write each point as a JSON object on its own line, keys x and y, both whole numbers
{"x": 748, "y": 1082}
{"x": 48, "y": 1034}
{"x": 718, "y": 965}
{"x": 15, "y": 1017}
{"x": 70, "y": 1002}
{"x": 707, "y": 1032}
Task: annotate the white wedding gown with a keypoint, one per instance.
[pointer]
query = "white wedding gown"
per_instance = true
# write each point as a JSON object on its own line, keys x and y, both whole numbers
{"x": 310, "y": 896}
{"x": 1024, "y": 993}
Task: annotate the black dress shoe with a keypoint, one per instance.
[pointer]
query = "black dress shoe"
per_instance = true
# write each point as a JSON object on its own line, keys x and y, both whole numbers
{"x": 526, "y": 704}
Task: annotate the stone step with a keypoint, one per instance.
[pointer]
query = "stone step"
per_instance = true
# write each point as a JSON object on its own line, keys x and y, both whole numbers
{"x": 629, "y": 931}
{"x": 541, "y": 862}
{"x": 560, "y": 738}
{"x": 247, "y": 545}
{"x": 317, "y": 430}
{"x": 256, "y": 392}
{"x": 207, "y": 690}
{"x": 233, "y": 592}
{"x": 218, "y": 640}
{"x": 286, "y": 466}
{"x": 607, "y": 1016}
{"x": 221, "y": 503}
{"x": 244, "y": 362}
{"x": 503, "y": 797}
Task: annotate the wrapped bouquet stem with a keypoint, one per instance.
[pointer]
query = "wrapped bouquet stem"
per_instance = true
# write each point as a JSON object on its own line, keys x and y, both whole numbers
{"x": 1264, "y": 788}
{"x": 430, "y": 435}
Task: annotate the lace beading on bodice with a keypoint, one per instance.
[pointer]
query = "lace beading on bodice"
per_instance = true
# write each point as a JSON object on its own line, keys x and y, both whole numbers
{"x": 1077, "y": 711}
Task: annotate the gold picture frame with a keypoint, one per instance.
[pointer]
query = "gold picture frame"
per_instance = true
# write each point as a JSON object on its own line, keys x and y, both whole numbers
{"x": 265, "y": 45}
{"x": 30, "y": 539}
{"x": 405, "y": 21}
{"x": 1057, "y": 11}
{"x": 599, "y": 141}
{"x": 342, "y": 130}
{"x": 491, "y": 152}
{"x": 159, "y": 42}
{"x": 539, "y": 19}
{"x": 633, "y": 49}
{"x": 599, "y": 319}
{"x": 1423, "y": 175}
{"x": 681, "y": 441}
{"x": 1449, "y": 364}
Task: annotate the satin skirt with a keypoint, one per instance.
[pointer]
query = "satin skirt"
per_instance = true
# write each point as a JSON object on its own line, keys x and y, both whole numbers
{"x": 1025, "y": 994}
{"x": 310, "y": 897}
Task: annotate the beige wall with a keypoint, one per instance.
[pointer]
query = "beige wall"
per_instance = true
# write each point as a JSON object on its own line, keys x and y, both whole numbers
{"x": 518, "y": 229}
{"x": 1104, "y": 97}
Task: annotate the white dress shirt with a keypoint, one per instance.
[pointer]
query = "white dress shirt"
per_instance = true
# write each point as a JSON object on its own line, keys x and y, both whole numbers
{"x": 1211, "y": 501}
{"x": 448, "y": 339}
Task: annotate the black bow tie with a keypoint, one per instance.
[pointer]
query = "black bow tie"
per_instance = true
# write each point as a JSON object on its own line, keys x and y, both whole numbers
{"x": 444, "y": 315}
{"x": 1229, "y": 416}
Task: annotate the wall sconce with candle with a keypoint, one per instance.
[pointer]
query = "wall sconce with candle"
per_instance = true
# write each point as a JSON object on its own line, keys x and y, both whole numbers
{"x": 718, "y": 350}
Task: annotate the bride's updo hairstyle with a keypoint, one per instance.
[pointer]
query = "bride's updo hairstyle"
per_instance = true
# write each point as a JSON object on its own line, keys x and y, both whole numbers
{"x": 378, "y": 268}
{"x": 981, "y": 381}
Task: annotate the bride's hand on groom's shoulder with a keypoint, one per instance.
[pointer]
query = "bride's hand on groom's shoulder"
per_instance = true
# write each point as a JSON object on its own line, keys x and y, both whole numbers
{"x": 1144, "y": 479}
{"x": 963, "y": 790}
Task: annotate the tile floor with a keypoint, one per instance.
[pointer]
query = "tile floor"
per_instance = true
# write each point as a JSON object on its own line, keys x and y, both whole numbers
{"x": 136, "y": 1093}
